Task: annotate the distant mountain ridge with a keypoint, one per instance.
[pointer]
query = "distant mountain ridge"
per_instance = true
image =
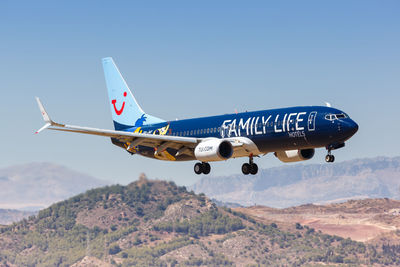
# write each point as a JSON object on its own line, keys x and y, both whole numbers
{"x": 37, "y": 185}
{"x": 156, "y": 223}
{"x": 8, "y": 216}
{"x": 315, "y": 183}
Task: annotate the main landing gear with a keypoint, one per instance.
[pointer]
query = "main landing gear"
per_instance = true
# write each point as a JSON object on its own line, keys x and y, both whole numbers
{"x": 203, "y": 167}
{"x": 250, "y": 167}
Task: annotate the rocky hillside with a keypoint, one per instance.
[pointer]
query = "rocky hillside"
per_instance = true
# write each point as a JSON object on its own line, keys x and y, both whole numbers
{"x": 292, "y": 185}
{"x": 37, "y": 185}
{"x": 156, "y": 223}
{"x": 367, "y": 220}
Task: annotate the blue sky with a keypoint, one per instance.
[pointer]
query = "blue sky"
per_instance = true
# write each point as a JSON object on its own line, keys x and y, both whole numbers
{"x": 188, "y": 59}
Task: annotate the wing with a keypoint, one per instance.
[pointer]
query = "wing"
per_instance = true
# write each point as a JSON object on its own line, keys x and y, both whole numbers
{"x": 243, "y": 147}
{"x": 183, "y": 145}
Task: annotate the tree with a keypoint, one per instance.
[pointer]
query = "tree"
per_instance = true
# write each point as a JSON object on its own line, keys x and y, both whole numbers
{"x": 114, "y": 249}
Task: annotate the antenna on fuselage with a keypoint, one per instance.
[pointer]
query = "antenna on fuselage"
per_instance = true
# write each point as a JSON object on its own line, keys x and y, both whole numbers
{"x": 328, "y": 104}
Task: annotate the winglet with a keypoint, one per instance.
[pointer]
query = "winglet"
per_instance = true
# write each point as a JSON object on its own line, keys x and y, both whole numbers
{"x": 47, "y": 125}
{"x": 46, "y": 118}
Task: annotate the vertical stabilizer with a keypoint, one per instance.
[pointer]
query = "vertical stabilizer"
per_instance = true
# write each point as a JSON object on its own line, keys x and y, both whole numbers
{"x": 126, "y": 112}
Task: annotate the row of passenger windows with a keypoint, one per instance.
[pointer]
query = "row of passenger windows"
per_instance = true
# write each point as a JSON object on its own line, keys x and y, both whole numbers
{"x": 198, "y": 131}
{"x": 215, "y": 129}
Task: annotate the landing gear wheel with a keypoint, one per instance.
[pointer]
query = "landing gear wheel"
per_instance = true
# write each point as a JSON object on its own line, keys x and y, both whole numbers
{"x": 198, "y": 168}
{"x": 206, "y": 168}
{"x": 253, "y": 169}
{"x": 246, "y": 168}
{"x": 329, "y": 158}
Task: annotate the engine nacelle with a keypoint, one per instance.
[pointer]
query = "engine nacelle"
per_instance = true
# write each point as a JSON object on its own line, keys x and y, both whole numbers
{"x": 295, "y": 155}
{"x": 213, "y": 150}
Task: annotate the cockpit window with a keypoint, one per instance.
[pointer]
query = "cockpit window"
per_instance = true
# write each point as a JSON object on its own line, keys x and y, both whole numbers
{"x": 340, "y": 116}
{"x": 332, "y": 117}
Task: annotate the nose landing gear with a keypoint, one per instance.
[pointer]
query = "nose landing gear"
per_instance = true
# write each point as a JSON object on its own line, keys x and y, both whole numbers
{"x": 329, "y": 158}
{"x": 330, "y": 147}
{"x": 203, "y": 167}
{"x": 250, "y": 168}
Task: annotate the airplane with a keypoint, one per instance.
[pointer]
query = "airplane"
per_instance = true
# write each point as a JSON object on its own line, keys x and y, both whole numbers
{"x": 291, "y": 134}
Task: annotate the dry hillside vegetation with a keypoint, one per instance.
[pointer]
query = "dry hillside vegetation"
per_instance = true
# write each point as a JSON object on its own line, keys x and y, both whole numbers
{"x": 361, "y": 220}
{"x": 156, "y": 223}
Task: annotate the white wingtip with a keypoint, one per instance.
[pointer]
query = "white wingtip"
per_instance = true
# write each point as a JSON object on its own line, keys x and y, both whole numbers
{"x": 45, "y": 116}
{"x": 47, "y": 125}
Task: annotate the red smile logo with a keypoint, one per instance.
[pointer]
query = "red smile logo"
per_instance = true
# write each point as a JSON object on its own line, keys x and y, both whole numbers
{"x": 114, "y": 101}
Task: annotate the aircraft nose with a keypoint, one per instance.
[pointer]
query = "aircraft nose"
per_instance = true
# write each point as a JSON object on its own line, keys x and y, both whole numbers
{"x": 351, "y": 127}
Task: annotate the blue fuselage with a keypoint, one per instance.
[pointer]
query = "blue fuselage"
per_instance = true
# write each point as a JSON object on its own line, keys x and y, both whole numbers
{"x": 271, "y": 130}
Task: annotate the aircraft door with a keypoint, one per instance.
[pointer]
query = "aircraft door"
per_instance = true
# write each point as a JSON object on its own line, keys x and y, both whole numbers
{"x": 311, "y": 121}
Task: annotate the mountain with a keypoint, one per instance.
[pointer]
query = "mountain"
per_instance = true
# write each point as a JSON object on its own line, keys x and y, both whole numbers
{"x": 37, "y": 185}
{"x": 366, "y": 220}
{"x": 8, "y": 216}
{"x": 225, "y": 204}
{"x": 298, "y": 184}
{"x": 156, "y": 223}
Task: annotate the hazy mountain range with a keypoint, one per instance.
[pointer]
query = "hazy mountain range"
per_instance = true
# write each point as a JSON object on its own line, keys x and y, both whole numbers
{"x": 37, "y": 185}
{"x": 297, "y": 184}
{"x": 8, "y": 216}
{"x": 156, "y": 223}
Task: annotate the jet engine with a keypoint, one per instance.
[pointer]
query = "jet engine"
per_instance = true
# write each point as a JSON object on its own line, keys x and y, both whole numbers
{"x": 295, "y": 155}
{"x": 213, "y": 150}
